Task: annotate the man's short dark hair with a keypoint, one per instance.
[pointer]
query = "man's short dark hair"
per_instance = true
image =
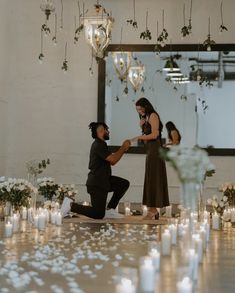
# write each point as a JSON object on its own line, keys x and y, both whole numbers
{"x": 93, "y": 127}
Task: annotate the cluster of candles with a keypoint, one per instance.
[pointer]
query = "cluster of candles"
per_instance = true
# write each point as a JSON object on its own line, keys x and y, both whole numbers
{"x": 39, "y": 218}
{"x": 194, "y": 234}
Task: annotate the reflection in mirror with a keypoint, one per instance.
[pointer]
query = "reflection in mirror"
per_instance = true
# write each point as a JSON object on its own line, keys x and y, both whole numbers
{"x": 196, "y": 94}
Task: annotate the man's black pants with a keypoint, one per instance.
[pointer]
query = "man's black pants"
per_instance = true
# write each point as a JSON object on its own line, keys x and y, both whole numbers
{"x": 99, "y": 196}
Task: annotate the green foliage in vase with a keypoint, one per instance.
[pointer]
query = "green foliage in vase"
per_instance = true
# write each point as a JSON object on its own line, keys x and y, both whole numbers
{"x": 47, "y": 187}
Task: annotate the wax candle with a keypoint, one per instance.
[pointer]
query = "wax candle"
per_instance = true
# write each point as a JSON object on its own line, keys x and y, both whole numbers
{"x": 125, "y": 286}
{"x": 57, "y": 206}
{"x": 173, "y": 231}
{"x": 166, "y": 242}
{"x": 145, "y": 210}
{"x": 58, "y": 219}
{"x": 147, "y": 275}
{"x": 15, "y": 222}
{"x": 168, "y": 211}
{"x": 53, "y": 217}
{"x": 36, "y": 221}
{"x": 193, "y": 264}
{"x": 198, "y": 246}
{"x": 155, "y": 256}
{"x": 127, "y": 211}
{"x": 24, "y": 213}
{"x": 8, "y": 229}
{"x": 215, "y": 221}
{"x": 41, "y": 221}
{"x": 203, "y": 237}
{"x": 185, "y": 286}
{"x": 233, "y": 215}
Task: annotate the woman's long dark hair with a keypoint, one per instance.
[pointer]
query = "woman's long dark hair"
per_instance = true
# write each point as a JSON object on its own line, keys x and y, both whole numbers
{"x": 171, "y": 126}
{"x": 148, "y": 109}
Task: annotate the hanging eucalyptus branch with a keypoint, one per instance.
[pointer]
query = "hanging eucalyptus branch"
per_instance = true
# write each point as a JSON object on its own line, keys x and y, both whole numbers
{"x": 146, "y": 35}
{"x": 209, "y": 42}
{"x": 157, "y": 47}
{"x": 91, "y": 66}
{"x": 222, "y": 26}
{"x": 54, "y": 39}
{"x": 163, "y": 37}
{"x": 80, "y": 27}
{"x": 190, "y": 18}
{"x": 41, "y": 55}
{"x": 185, "y": 31}
{"x": 65, "y": 62}
{"x": 62, "y": 15}
{"x": 133, "y": 21}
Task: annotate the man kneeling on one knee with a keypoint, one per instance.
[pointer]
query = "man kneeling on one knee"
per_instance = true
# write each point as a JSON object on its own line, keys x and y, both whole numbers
{"x": 100, "y": 180}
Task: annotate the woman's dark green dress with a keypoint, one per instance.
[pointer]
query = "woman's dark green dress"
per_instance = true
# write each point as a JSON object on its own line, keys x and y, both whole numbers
{"x": 155, "y": 192}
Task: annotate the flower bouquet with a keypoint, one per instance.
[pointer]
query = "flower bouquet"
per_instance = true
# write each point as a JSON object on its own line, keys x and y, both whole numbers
{"x": 65, "y": 191}
{"x": 17, "y": 192}
{"x": 191, "y": 165}
{"x": 228, "y": 190}
{"x": 47, "y": 187}
{"x": 218, "y": 205}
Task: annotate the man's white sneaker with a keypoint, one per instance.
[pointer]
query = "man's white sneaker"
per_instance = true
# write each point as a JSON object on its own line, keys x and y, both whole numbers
{"x": 112, "y": 214}
{"x": 66, "y": 206}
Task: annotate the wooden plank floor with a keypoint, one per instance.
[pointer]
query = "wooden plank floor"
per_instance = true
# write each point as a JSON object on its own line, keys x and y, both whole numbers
{"x": 83, "y": 257}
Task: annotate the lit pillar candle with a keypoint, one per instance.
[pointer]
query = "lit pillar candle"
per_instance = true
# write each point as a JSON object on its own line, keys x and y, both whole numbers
{"x": 207, "y": 228}
{"x": 155, "y": 256}
{"x": 232, "y": 215}
{"x": 127, "y": 211}
{"x": 193, "y": 264}
{"x": 41, "y": 221}
{"x": 145, "y": 210}
{"x": 166, "y": 242}
{"x": 58, "y": 219}
{"x": 57, "y": 206}
{"x": 203, "y": 237}
{"x": 168, "y": 211}
{"x": 125, "y": 286}
{"x": 197, "y": 242}
{"x": 53, "y": 217}
{"x": 215, "y": 221}
{"x": 24, "y": 213}
{"x": 185, "y": 286}
{"x": 8, "y": 229}
{"x": 36, "y": 221}
{"x": 173, "y": 231}
{"x": 147, "y": 275}
{"x": 15, "y": 222}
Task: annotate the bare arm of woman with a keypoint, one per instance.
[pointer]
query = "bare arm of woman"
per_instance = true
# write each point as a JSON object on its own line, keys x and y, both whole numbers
{"x": 175, "y": 137}
{"x": 154, "y": 122}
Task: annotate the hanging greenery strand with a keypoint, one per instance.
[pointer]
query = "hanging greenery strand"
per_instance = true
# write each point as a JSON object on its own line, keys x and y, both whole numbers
{"x": 91, "y": 66}
{"x": 146, "y": 35}
{"x": 185, "y": 31}
{"x": 80, "y": 27}
{"x": 54, "y": 39}
{"x": 41, "y": 55}
{"x": 163, "y": 37}
{"x": 65, "y": 62}
{"x": 62, "y": 15}
{"x": 133, "y": 21}
{"x": 222, "y": 26}
{"x": 190, "y": 17}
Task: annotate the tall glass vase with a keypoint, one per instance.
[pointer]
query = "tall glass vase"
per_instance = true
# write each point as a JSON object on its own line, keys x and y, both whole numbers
{"x": 33, "y": 180}
{"x": 189, "y": 194}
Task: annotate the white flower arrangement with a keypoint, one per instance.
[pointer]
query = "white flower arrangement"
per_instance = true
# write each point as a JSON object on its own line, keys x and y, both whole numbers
{"x": 218, "y": 205}
{"x": 191, "y": 164}
{"x": 228, "y": 190}
{"x": 66, "y": 191}
{"x": 47, "y": 187}
{"x": 16, "y": 191}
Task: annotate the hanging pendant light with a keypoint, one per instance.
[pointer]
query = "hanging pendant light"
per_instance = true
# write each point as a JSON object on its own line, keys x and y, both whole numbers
{"x": 171, "y": 65}
{"x": 98, "y": 30}
{"x": 136, "y": 76}
{"x": 47, "y": 7}
{"x": 122, "y": 63}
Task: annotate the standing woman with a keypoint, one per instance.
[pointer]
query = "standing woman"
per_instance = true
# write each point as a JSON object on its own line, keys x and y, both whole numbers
{"x": 155, "y": 193}
{"x": 174, "y": 136}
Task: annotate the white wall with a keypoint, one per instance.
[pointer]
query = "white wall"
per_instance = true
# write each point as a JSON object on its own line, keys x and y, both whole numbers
{"x": 48, "y": 112}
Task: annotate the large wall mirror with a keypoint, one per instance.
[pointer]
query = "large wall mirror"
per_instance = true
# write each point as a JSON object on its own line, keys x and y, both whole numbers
{"x": 197, "y": 94}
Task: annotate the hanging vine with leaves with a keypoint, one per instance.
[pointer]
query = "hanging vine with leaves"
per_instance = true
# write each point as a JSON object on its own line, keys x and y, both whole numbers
{"x": 133, "y": 21}
{"x": 146, "y": 35}
{"x": 222, "y": 26}
{"x": 163, "y": 37}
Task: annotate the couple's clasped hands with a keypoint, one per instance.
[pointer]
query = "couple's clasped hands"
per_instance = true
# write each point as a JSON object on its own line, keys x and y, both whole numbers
{"x": 127, "y": 143}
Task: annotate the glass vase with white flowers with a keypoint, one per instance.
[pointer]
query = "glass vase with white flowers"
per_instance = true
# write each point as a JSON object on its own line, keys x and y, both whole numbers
{"x": 47, "y": 188}
{"x": 218, "y": 205}
{"x": 65, "y": 191}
